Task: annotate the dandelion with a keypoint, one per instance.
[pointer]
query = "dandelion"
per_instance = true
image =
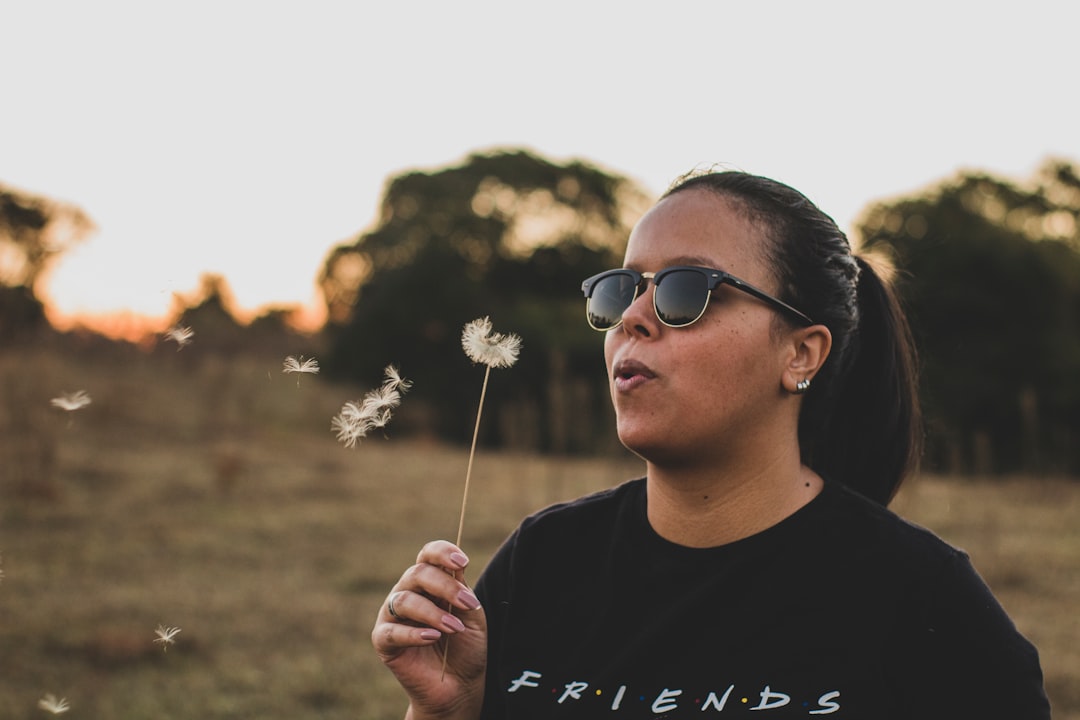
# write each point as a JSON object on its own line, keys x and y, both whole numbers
{"x": 357, "y": 418}
{"x": 301, "y": 366}
{"x": 488, "y": 348}
{"x": 492, "y": 350}
{"x": 165, "y": 636}
{"x": 49, "y": 703}
{"x": 179, "y": 334}
{"x": 70, "y": 402}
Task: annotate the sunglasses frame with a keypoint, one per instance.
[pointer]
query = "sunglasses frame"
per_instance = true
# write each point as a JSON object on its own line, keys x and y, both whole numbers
{"x": 715, "y": 279}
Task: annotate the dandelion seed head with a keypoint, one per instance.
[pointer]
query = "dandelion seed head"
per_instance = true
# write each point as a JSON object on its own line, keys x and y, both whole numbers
{"x": 496, "y": 350}
{"x": 71, "y": 401}
{"x": 49, "y": 703}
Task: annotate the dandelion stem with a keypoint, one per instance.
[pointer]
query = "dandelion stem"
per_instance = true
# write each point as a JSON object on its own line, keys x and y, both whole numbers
{"x": 493, "y": 350}
{"x": 465, "y": 497}
{"x": 472, "y": 453}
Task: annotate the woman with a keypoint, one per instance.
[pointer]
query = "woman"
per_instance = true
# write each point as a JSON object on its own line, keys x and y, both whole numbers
{"x": 766, "y": 376}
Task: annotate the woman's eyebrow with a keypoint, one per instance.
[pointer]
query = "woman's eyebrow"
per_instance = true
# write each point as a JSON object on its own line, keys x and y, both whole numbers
{"x": 694, "y": 260}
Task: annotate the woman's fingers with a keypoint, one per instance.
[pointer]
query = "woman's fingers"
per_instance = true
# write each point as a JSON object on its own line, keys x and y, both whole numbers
{"x": 428, "y": 602}
{"x": 449, "y": 563}
{"x": 429, "y": 607}
{"x": 437, "y": 586}
{"x": 405, "y": 606}
{"x": 390, "y": 604}
{"x": 443, "y": 554}
{"x": 389, "y": 635}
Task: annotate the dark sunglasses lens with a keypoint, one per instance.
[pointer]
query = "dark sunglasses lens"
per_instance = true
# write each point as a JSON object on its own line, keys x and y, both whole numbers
{"x": 681, "y": 297}
{"x": 610, "y": 297}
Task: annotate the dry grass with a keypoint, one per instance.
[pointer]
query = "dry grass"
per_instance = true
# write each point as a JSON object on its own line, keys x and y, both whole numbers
{"x": 213, "y": 497}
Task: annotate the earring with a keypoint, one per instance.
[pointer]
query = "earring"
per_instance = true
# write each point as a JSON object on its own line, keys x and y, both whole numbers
{"x": 802, "y": 386}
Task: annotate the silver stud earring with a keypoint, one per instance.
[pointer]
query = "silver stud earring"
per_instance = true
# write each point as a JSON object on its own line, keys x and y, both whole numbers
{"x": 802, "y": 386}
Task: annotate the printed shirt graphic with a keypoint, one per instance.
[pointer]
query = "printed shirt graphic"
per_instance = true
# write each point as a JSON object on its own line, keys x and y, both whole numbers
{"x": 840, "y": 610}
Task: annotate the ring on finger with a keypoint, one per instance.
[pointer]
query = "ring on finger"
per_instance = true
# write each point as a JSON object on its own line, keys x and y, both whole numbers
{"x": 390, "y": 605}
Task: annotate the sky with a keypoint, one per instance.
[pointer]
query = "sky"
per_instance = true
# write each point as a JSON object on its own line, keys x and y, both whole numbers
{"x": 248, "y": 139}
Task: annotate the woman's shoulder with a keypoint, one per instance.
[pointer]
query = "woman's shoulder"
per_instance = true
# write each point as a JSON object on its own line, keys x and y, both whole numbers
{"x": 865, "y": 526}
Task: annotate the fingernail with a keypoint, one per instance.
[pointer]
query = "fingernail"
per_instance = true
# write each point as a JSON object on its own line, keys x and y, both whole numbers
{"x": 452, "y": 623}
{"x": 466, "y": 598}
{"x": 459, "y": 559}
{"x": 430, "y": 634}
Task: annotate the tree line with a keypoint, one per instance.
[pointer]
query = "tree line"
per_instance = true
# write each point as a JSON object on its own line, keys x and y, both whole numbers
{"x": 988, "y": 269}
{"x": 507, "y": 235}
{"x": 34, "y": 231}
{"x": 990, "y": 272}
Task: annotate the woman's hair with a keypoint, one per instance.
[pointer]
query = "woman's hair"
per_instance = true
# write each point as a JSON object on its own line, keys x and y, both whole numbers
{"x": 860, "y": 421}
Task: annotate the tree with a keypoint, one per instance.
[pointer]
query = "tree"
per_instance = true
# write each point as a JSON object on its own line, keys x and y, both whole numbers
{"x": 33, "y": 231}
{"x": 507, "y": 235}
{"x": 990, "y": 273}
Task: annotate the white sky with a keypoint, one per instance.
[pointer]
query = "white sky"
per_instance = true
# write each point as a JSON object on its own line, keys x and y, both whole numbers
{"x": 249, "y": 138}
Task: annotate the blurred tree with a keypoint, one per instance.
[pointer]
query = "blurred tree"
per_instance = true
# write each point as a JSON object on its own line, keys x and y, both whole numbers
{"x": 21, "y": 314}
{"x": 210, "y": 312}
{"x": 990, "y": 273}
{"x": 33, "y": 231}
{"x": 507, "y": 235}
{"x": 219, "y": 334}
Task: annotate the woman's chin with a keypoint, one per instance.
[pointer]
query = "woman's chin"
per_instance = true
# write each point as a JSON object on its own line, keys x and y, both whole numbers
{"x": 646, "y": 446}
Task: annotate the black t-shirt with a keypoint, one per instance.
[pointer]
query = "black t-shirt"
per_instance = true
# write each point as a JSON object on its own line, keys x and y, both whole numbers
{"x": 841, "y": 609}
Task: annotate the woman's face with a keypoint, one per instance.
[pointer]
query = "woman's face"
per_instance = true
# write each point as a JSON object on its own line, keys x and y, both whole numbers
{"x": 706, "y": 391}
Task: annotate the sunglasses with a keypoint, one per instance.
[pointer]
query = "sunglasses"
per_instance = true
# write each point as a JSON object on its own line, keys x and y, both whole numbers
{"x": 682, "y": 293}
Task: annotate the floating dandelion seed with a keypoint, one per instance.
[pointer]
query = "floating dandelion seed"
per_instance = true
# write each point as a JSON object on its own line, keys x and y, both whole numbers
{"x": 301, "y": 366}
{"x": 70, "y": 402}
{"x": 379, "y": 405}
{"x": 165, "y": 636}
{"x": 49, "y": 703}
{"x": 394, "y": 380}
{"x": 357, "y": 418}
{"x": 493, "y": 350}
{"x": 179, "y": 334}
{"x": 351, "y": 424}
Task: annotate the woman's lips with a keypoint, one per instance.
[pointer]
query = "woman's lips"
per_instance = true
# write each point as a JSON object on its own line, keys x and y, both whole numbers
{"x": 629, "y": 374}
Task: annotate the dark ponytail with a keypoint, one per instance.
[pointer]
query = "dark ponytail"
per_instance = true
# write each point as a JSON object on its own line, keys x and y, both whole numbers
{"x": 860, "y": 422}
{"x": 869, "y": 434}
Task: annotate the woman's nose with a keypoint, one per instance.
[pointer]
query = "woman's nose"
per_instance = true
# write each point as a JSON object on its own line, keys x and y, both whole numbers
{"x": 640, "y": 318}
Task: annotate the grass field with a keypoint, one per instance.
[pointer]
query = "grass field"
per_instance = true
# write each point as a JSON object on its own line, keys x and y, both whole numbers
{"x": 212, "y": 497}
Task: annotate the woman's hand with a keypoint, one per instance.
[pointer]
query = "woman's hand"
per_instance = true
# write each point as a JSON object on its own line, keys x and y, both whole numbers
{"x": 429, "y": 612}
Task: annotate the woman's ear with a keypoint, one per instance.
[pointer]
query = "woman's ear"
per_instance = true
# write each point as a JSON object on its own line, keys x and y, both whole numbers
{"x": 809, "y": 347}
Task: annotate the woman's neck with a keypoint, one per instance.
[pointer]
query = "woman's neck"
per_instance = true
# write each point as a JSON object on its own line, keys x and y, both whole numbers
{"x": 710, "y": 507}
